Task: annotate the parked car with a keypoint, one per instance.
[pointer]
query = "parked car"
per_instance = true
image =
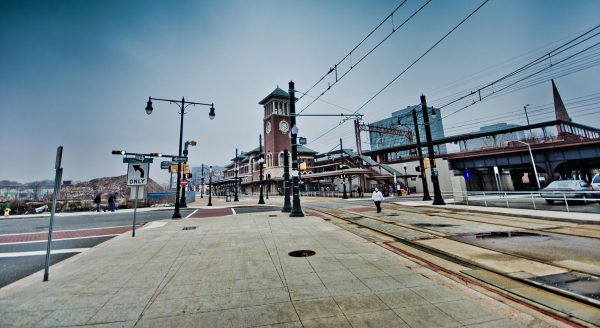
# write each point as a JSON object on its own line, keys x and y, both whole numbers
{"x": 596, "y": 182}
{"x": 557, "y": 190}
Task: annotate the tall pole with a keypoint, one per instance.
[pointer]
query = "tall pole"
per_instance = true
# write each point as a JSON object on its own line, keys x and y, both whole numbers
{"x": 177, "y": 215}
{"x": 296, "y": 208}
{"x": 344, "y": 194}
{"x": 437, "y": 193}
{"x": 202, "y": 181}
{"x": 420, "y": 154}
{"x": 261, "y": 160}
{"x": 287, "y": 205}
{"x": 526, "y": 116}
{"x": 183, "y": 201}
{"x": 210, "y": 186}
{"x": 268, "y": 183}
{"x": 57, "y": 183}
{"x": 235, "y": 198}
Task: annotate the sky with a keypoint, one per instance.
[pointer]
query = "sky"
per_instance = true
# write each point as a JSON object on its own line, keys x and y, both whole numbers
{"x": 78, "y": 73}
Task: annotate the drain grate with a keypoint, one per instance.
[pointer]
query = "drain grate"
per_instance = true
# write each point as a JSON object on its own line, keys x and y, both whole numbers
{"x": 302, "y": 253}
{"x": 578, "y": 283}
{"x": 507, "y": 234}
{"x": 433, "y": 225}
{"x": 189, "y": 228}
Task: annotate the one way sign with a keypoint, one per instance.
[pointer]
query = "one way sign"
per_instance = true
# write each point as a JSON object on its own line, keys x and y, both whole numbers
{"x": 137, "y": 174}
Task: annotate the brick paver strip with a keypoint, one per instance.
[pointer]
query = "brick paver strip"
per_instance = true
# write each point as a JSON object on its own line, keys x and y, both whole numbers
{"x": 211, "y": 212}
{"x": 63, "y": 234}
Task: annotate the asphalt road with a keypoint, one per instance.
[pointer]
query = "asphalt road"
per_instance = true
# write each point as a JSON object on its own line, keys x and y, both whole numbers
{"x": 23, "y": 257}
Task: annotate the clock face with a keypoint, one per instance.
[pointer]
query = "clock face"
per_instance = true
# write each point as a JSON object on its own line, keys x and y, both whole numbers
{"x": 268, "y": 127}
{"x": 284, "y": 127}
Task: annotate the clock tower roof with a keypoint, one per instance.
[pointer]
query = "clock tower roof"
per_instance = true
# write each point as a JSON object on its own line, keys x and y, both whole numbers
{"x": 277, "y": 93}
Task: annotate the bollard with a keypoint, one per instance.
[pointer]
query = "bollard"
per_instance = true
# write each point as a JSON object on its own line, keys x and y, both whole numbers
{"x": 533, "y": 202}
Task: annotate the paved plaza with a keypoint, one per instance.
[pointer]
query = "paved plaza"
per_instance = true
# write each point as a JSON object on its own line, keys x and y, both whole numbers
{"x": 235, "y": 271}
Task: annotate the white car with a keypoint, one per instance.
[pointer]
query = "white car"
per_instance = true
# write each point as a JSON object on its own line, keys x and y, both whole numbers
{"x": 596, "y": 182}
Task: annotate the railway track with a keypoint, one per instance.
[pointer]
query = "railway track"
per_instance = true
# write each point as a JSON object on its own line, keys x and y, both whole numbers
{"x": 434, "y": 244}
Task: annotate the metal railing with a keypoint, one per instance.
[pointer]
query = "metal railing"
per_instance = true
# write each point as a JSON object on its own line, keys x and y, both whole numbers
{"x": 538, "y": 200}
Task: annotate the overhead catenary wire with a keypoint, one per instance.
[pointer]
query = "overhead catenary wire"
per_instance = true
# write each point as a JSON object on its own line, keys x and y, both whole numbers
{"x": 334, "y": 69}
{"x": 409, "y": 66}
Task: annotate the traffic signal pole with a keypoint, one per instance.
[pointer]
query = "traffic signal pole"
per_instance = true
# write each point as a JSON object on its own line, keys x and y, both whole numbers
{"x": 420, "y": 154}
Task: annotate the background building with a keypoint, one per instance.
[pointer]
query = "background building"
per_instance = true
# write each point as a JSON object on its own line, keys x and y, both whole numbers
{"x": 492, "y": 141}
{"x": 403, "y": 120}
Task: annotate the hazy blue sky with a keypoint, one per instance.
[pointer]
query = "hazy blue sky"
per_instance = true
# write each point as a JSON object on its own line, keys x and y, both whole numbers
{"x": 78, "y": 73}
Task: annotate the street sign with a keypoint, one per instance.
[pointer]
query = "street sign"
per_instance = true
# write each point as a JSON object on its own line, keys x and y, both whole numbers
{"x": 302, "y": 141}
{"x": 183, "y": 182}
{"x": 137, "y": 174}
{"x": 467, "y": 175}
{"x": 139, "y": 195}
{"x": 180, "y": 159}
{"x": 128, "y": 160}
{"x": 165, "y": 165}
{"x": 140, "y": 158}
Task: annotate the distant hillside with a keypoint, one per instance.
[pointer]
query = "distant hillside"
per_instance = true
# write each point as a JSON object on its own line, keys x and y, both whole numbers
{"x": 89, "y": 189}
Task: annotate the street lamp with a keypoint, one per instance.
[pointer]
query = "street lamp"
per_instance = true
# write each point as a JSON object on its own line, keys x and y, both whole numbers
{"x": 296, "y": 209}
{"x": 437, "y": 193}
{"x": 183, "y": 201}
{"x": 182, "y": 106}
{"x": 405, "y": 178}
{"x": 532, "y": 161}
{"x": 210, "y": 173}
{"x": 261, "y": 160}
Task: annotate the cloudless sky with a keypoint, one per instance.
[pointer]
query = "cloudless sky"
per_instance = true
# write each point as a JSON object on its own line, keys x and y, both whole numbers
{"x": 79, "y": 73}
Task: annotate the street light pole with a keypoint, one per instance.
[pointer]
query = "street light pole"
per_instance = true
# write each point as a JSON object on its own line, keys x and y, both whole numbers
{"x": 202, "y": 182}
{"x": 437, "y": 193}
{"x": 420, "y": 154}
{"x": 183, "y": 201}
{"x": 210, "y": 186}
{"x": 235, "y": 198}
{"x": 296, "y": 208}
{"x": 526, "y": 116}
{"x": 537, "y": 179}
{"x": 287, "y": 205}
{"x": 261, "y": 160}
{"x": 182, "y": 106}
{"x": 344, "y": 194}
{"x": 405, "y": 178}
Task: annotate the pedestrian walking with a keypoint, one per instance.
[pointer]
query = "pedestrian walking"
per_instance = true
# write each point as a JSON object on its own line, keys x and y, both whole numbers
{"x": 359, "y": 191}
{"x": 111, "y": 202}
{"x": 97, "y": 201}
{"x": 377, "y": 197}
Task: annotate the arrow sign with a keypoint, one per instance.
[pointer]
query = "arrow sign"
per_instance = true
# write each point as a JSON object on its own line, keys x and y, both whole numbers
{"x": 138, "y": 174}
{"x": 136, "y": 167}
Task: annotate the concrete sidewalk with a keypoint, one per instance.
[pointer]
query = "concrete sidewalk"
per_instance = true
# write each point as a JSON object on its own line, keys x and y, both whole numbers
{"x": 235, "y": 271}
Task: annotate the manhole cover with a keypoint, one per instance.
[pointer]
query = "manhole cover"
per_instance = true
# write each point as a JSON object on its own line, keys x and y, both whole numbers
{"x": 302, "y": 253}
{"x": 433, "y": 225}
{"x": 507, "y": 234}
{"x": 189, "y": 228}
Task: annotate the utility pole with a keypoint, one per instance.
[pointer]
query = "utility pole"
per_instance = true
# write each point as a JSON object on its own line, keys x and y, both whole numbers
{"x": 287, "y": 205}
{"x": 261, "y": 160}
{"x": 420, "y": 154}
{"x": 437, "y": 193}
{"x": 235, "y": 198}
{"x": 344, "y": 195}
{"x": 296, "y": 208}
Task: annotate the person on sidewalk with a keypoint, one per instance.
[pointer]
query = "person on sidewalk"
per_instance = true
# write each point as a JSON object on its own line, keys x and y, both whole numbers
{"x": 111, "y": 202}
{"x": 97, "y": 201}
{"x": 377, "y": 197}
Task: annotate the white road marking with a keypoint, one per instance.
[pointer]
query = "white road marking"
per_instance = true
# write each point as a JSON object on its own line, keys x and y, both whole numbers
{"x": 55, "y": 231}
{"x": 55, "y": 251}
{"x": 191, "y": 213}
{"x": 234, "y": 213}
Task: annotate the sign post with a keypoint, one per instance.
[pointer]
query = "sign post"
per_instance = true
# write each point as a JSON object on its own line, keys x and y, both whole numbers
{"x": 57, "y": 182}
{"x": 137, "y": 175}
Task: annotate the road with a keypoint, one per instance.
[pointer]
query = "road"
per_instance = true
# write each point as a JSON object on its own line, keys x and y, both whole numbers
{"x": 23, "y": 240}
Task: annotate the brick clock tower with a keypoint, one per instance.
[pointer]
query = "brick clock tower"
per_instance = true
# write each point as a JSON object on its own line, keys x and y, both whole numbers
{"x": 276, "y": 129}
